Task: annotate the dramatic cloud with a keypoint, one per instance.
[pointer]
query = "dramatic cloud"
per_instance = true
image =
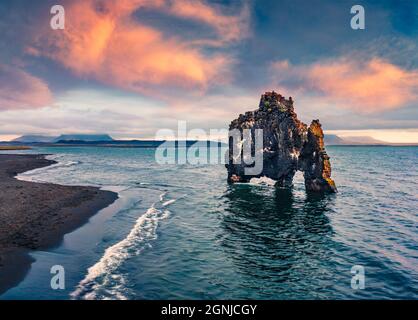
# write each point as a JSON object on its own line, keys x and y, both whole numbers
{"x": 90, "y": 111}
{"x": 229, "y": 28}
{"x": 103, "y": 40}
{"x": 130, "y": 67}
{"x": 365, "y": 86}
{"x": 20, "y": 90}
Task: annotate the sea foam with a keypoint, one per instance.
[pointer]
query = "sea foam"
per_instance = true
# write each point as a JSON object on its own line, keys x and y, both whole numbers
{"x": 32, "y": 175}
{"x": 103, "y": 280}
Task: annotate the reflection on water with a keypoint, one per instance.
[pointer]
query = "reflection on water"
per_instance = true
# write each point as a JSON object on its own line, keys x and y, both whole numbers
{"x": 245, "y": 240}
{"x": 273, "y": 235}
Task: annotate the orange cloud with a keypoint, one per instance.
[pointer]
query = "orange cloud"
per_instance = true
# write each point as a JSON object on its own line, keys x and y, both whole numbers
{"x": 103, "y": 41}
{"x": 20, "y": 90}
{"x": 365, "y": 86}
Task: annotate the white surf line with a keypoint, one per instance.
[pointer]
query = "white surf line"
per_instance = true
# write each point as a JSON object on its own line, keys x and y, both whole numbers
{"x": 30, "y": 176}
{"x": 102, "y": 280}
{"x": 265, "y": 181}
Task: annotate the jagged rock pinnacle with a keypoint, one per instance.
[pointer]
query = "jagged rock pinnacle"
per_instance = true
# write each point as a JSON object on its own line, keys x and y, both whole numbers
{"x": 288, "y": 145}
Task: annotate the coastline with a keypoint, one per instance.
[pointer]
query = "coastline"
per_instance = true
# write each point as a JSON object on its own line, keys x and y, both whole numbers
{"x": 36, "y": 216}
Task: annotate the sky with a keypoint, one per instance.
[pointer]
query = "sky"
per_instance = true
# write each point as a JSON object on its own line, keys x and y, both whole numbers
{"x": 132, "y": 67}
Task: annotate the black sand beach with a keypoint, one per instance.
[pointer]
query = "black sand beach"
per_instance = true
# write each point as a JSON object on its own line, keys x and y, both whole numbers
{"x": 37, "y": 215}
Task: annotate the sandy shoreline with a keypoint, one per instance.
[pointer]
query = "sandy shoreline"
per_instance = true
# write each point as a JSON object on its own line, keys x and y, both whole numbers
{"x": 37, "y": 215}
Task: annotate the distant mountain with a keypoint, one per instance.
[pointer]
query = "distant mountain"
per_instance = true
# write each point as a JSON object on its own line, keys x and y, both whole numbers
{"x": 139, "y": 143}
{"x": 332, "y": 139}
{"x": 91, "y": 139}
{"x": 34, "y": 138}
{"x": 64, "y": 137}
{"x": 83, "y": 137}
{"x": 363, "y": 140}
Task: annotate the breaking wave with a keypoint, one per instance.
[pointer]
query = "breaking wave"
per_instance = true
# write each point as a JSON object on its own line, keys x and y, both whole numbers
{"x": 263, "y": 181}
{"x": 103, "y": 281}
{"x": 31, "y": 175}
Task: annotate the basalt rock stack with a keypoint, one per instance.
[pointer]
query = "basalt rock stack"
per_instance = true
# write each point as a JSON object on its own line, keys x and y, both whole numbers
{"x": 288, "y": 145}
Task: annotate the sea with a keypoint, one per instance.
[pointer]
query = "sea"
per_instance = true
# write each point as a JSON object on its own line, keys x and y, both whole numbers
{"x": 179, "y": 231}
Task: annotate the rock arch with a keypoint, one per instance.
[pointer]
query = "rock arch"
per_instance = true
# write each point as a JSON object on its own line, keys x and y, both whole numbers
{"x": 288, "y": 145}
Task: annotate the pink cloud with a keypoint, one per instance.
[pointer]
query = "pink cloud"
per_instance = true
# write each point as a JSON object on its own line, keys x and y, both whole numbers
{"x": 20, "y": 90}
{"x": 103, "y": 41}
{"x": 364, "y": 86}
{"x": 229, "y": 28}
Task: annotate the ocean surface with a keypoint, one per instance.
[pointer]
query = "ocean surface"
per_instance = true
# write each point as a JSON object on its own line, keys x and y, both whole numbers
{"x": 181, "y": 232}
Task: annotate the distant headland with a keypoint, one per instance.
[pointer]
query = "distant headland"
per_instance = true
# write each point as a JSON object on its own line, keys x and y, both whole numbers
{"x": 99, "y": 140}
{"x": 105, "y": 140}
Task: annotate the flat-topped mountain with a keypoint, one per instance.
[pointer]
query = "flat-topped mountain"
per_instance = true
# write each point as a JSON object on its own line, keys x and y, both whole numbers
{"x": 34, "y": 138}
{"x": 63, "y": 137}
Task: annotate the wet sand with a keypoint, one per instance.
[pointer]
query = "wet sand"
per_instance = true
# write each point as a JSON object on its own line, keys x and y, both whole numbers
{"x": 37, "y": 215}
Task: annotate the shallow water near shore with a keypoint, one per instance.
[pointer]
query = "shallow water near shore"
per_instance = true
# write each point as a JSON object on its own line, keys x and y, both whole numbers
{"x": 181, "y": 232}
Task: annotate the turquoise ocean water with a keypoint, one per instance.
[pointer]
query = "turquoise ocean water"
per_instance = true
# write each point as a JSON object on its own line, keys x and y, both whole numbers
{"x": 181, "y": 232}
